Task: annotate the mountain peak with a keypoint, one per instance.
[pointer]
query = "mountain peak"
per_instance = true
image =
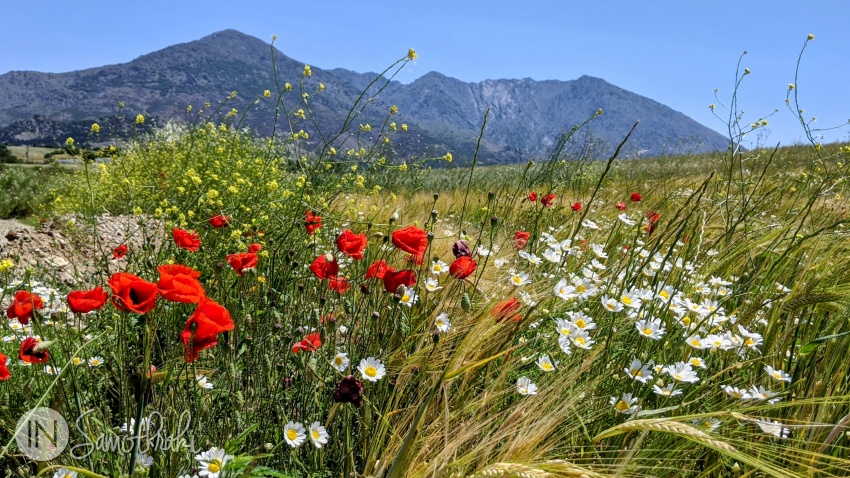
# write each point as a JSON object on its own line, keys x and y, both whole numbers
{"x": 444, "y": 113}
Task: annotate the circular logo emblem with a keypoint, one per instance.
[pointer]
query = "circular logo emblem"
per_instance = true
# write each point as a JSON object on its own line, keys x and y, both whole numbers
{"x": 41, "y": 434}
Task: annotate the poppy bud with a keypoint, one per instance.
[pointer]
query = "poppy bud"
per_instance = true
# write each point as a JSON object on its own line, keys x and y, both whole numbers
{"x": 491, "y": 195}
{"x": 322, "y": 300}
{"x": 376, "y": 315}
{"x": 300, "y": 287}
{"x": 493, "y": 221}
{"x": 430, "y": 237}
{"x": 436, "y": 196}
{"x": 364, "y": 289}
{"x": 435, "y": 337}
{"x": 434, "y": 215}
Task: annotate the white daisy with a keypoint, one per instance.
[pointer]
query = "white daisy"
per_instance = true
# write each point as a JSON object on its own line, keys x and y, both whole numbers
{"x": 638, "y": 371}
{"x": 439, "y": 267}
{"x": 318, "y": 434}
{"x": 96, "y": 361}
{"x": 340, "y": 361}
{"x": 519, "y": 279}
{"x": 668, "y": 391}
{"x": 371, "y": 369}
{"x": 777, "y": 374}
{"x": 774, "y": 428}
{"x": 294, "y": 434}
{"x": 650, "y": 328}
{"x": 442, "y": 322}
{"x": 212, "y": 461}
{"x": 681, "y": 372}
{"x": 408, "y": 297}
{"x": 627, "y": 404}
{"x": 545, "y": 363}
{"x": 524, "y": 386}
{"x": 64, "y": 473}
{"x": 611, "y": 304}
{"x": 432, "y": 284}
{"x": 203, "y": 382}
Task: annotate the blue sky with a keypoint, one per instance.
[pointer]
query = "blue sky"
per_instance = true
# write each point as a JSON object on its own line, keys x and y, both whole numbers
{"x": 673, "y": 52}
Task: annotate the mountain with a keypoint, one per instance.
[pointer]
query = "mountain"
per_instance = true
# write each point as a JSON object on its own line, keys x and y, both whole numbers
{"x": 444, "y": 114}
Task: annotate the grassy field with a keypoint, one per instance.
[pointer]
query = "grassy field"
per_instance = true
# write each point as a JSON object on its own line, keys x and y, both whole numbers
{"x": 337, "y": 314}
{"x": 36, "y": 155}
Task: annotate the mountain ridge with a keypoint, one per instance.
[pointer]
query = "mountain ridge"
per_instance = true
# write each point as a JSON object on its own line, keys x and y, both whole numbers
{"x": 444, "y": 113}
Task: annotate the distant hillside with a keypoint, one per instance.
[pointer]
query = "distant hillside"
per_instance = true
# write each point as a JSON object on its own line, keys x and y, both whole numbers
{"x": 444, "y": 113}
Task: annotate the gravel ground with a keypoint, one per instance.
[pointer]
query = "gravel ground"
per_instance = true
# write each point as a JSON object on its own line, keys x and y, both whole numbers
{"x": 68, "y": 251}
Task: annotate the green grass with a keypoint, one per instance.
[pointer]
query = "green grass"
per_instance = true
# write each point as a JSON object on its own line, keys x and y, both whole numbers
{"x": 36, "y": 155}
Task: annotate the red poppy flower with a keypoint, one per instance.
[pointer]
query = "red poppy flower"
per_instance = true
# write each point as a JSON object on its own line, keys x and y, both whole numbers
{"x": 532, "y": 196}
{"x": 219, "y": 220}
{"x": 23, "y": 306}
{"x": 85, "y": 301}
{"x": 312, "y": 222}
{"x": 393, "y": 279}
{"x": 547, "y": 200}
{"x": 636, "y": 197}
{"x": 189, "y": 240}
{"x": 411, "y": 240}
{"x": 202, "y": 328}
{"x": 653, "y": 218}
{"x": 621, "y": 206}
{"x": 521, "y": 239}
{"x": 120, "y": 251}
{"x": 507, "y": 310}
{"x": 131, "y": 293}
{"x": 325, "y": 266}
{"x": 462, "y": 267}
{"x": 310, "y": 343}
{"x": 4, "y": 370}
{"x": 31, "y": 352}
{"x": 576, "y": 206}
{"x": 255, "y": 248}
{"x": 179, "y": 283}
{"x": 339, "y": 284}
{"x": 243, "y": 261}
{"x": 378, "y": 269}
{"x": 351, "y": 244}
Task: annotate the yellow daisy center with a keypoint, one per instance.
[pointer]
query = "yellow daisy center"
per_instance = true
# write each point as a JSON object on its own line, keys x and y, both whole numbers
{"x": 664, "y": 294}
{"x": 580, "y": 323}
{"x": 749, "y": 342}
{"x": 647, "y": 331}
{"x": 626, "y": 299}
{"x": 547, "y": 366}
{"x": 565, "y": 331}
{"x": 580, "y": 288}
{"x": 438, "y": 268}
{"x": 370, "y": 371}
{"x": 686, "y": 321}
{"x": 637, "y": 373}
{"x": 580, "y": 341}
{"x": 516, "y": 279}
{"x": 314, "y": 434}
{"x": 622, "y": 406}
{"x": 215, "y": 465}
{"x": 405, "y": 298}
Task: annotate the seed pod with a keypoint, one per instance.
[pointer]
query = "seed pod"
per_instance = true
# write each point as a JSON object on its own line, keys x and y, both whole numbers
{"x": 466, "y": 302}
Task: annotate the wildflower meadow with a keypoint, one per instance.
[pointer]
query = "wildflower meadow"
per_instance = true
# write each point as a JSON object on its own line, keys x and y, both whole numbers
{"x": 307, "y": 304}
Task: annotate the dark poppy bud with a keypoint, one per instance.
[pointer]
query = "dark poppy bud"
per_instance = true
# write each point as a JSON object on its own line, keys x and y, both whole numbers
{"x": 300, "y": 287}
{"x": 430, "y": 236}
{"x": 435, "y": 337}
{"x": 436, "y": 196}
{"x": 364, "y": 289}
{"x": 491, "y": 195}
{"x": 376, "y": 315}
{"x": 322, "y": 300}
{"x": 493, "y": 221}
